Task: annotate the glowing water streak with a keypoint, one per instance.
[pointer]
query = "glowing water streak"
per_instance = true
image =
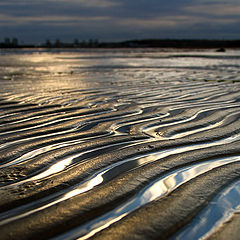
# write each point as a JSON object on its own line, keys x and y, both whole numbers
{"x": 39, "y": 151}
{"x": 28, "y": 119}
{"x": 218, "y": 212}
{"x": 9, "y": 144}
{"x": 156, "y": 190}
{"x": 201, "y": 129}
{"x": 151, "y": 130}
{"x": 64, "y": 163}
{"x": 98, "y": 178}
{"x": 54, "y": 122}
{"x": 5, "y": 145}
{"x": 116, "y": 126}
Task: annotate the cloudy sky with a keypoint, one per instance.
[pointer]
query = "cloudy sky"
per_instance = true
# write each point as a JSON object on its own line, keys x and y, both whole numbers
{"x": 114, "y": 20}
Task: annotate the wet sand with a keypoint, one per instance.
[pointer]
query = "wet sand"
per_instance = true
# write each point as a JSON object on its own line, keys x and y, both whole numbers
{"x": 119, "y": 144}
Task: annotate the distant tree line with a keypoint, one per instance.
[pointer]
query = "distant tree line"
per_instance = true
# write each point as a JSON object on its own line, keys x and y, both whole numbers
{"x": 145, "y": 43}
{"x": 76, "y": 43}
{"x": 9, "y": 42}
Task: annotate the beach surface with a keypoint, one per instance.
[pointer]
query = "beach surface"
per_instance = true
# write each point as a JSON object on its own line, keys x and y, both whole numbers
{"x": 119, "y": 144}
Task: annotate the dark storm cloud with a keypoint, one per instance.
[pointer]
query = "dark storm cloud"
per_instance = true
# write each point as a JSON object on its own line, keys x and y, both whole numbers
{"x": 119, "y": 20}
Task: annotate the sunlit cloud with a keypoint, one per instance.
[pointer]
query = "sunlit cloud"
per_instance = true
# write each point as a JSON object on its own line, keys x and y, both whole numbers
{"x": 158, "y": 22}
{"x": 92, "y": 3}
{"x": 83, "y": 3}
{"x": 209, "y": 2}
{"x": 172, "y": 22}
{"x": 215, "y": 9}
{"x": 23, "y": 20}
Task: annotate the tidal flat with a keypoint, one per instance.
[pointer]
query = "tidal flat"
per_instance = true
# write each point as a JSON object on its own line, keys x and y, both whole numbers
{"x": 119, "y": 144}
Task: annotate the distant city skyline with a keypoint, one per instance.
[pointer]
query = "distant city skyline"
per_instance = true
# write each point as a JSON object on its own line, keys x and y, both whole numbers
{"x": 118, "y": 20}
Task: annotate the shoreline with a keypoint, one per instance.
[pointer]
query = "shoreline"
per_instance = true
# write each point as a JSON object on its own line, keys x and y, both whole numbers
{"x": 147, "y": 43}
